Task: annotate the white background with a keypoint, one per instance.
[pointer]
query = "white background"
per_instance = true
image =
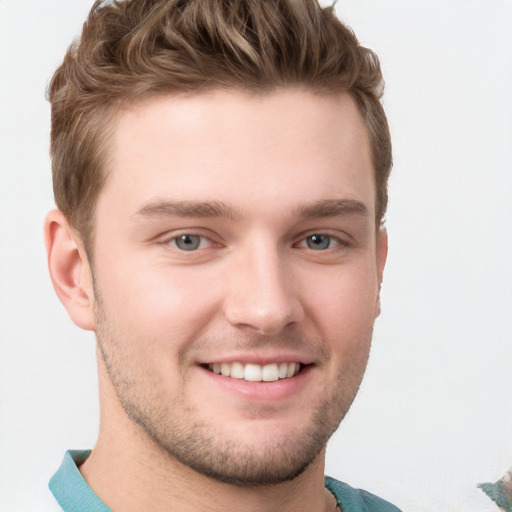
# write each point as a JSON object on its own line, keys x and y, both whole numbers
{"x": 434, "y": 415}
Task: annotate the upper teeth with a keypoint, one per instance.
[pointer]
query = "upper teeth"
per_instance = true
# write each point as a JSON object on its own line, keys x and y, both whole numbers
{"x": 256, "y": 372}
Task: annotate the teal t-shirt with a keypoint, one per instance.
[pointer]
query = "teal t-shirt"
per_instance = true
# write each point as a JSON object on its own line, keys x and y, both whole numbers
{"x": 74, "y": 495}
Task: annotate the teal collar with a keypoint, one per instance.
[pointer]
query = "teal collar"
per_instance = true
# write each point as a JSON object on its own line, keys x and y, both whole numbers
{"x": 71, "y": 490}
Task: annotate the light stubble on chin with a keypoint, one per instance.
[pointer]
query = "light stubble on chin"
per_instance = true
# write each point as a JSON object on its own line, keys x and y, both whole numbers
{"x": 199, "y": 445}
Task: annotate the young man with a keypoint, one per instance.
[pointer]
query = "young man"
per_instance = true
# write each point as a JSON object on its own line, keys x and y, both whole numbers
{"x": 220, "y": 169}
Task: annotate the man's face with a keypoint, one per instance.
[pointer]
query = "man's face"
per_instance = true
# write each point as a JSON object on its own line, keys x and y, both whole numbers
{"x": 236, "y": 234}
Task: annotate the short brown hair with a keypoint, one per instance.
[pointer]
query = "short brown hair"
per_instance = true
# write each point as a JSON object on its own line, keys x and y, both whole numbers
{"x": 132, "y": 49}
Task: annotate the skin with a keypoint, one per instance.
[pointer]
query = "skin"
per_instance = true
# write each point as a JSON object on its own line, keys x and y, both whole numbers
{"x": 255, "y": 179}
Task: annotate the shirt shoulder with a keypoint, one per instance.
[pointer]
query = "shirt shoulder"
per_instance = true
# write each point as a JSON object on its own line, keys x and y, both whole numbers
{"x": 357, "y": 500}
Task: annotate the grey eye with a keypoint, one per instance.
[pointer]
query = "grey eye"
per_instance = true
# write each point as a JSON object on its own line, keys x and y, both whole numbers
{"x": 318, "y": 242}
{"x": 188, "y": 242}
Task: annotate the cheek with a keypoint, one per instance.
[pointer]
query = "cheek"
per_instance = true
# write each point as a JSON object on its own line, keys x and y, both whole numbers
{"x": 343, "y": 303}
{"x": 159, "y": 303}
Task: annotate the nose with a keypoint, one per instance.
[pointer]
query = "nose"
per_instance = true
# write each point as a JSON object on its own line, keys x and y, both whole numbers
{"x": 263, "y": 296}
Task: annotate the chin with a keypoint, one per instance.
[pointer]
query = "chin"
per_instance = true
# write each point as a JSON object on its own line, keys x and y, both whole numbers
{"x": 234, "y": 463}
{"x": 262, "y": 452}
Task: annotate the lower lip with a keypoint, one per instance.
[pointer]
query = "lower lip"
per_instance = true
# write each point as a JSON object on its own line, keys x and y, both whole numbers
{"x": 261, "y": 391}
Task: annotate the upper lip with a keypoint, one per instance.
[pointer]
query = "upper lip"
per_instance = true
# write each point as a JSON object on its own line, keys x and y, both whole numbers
{"x": 262, "y": 359}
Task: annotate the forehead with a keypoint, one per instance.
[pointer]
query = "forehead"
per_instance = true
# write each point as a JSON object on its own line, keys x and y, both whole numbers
{"x": 289, "y": 146}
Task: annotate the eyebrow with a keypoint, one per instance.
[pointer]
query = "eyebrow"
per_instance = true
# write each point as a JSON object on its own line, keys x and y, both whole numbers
{"x": 332, "y": 208}
{"x": 209, "y": 209}
{"x": 191, "y": 209}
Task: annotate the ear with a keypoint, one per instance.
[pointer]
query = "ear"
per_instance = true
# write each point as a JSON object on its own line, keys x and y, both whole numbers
{"x": 382, "y": 255}
{"x": 69, "y": 268}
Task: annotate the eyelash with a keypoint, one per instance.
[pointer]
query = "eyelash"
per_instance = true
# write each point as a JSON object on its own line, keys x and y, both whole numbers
{"x": 172, "y": 241}
{"x": 334, "y": 241}
{"x": 177, "y": 239}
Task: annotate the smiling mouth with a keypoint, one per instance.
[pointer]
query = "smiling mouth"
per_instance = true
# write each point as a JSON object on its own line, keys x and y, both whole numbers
{"x": 255, "y": 372}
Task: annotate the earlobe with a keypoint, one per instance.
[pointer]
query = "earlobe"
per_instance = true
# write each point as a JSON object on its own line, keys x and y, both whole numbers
{"x": 382, "y": 254}
{"x": 69, "y": 269}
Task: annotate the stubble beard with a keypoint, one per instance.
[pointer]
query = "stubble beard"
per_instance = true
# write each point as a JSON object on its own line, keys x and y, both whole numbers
{"x": 209, "y": 451}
